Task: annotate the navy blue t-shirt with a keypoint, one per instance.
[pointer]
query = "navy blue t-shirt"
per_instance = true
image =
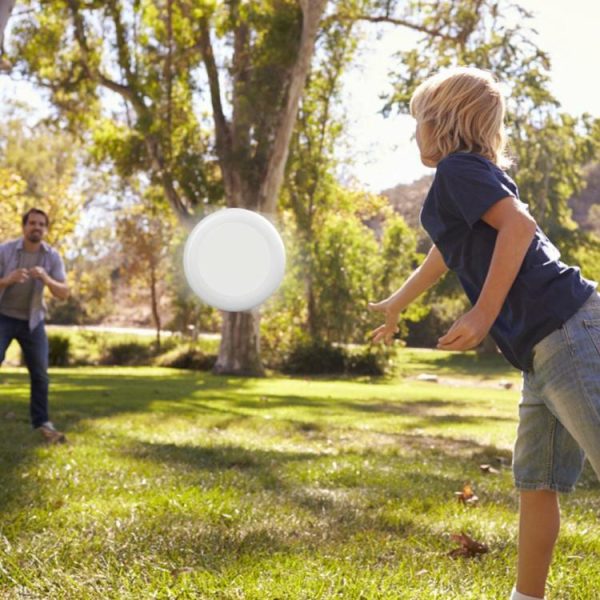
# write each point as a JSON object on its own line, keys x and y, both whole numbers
{"x": 545, "y": 293}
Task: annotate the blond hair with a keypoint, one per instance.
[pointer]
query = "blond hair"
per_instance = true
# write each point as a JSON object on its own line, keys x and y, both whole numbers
{"x": 464, "y": 110}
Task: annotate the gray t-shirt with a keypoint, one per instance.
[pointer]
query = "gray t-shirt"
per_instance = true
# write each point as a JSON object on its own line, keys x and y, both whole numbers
{"x": 16, "y": 301}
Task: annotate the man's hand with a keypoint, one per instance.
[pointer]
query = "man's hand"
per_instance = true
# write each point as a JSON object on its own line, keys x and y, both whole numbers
{"x": 17, "y": 276}
{"x": 468, "y": 331}
{"x": 39, "y": 273}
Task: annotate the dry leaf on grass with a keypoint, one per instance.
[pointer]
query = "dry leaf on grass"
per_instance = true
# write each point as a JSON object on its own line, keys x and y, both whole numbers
{"x": 467, "y": 496}
{"x": 489, "y": 469}
{"x": 468, "y": 548}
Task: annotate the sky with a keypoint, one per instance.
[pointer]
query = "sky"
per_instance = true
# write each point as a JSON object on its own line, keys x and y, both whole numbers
{"x": 383, "y": 151}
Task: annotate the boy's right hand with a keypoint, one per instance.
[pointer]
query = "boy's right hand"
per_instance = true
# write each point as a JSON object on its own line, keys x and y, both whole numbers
{"x": 386, "y": 331}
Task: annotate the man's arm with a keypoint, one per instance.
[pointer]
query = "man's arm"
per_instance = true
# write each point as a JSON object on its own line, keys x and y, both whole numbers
{"x": 58, "y": 289}
{"x": 430, "y": 271}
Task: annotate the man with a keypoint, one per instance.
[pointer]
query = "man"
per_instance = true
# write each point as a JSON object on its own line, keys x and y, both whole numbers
{"x": 28, "y": 264}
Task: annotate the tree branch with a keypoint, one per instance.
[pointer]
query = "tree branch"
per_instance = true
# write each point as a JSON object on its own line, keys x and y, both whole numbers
{"x": 312, "y": 11}
{"x": 223, "y": 133}
{"x": 394, "y": 21}
{"x": 158, "y": 164}
{"x": 6, "y": 7}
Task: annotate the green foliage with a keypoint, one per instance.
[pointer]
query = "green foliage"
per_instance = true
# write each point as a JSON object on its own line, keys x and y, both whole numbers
{"x": 370, "y": 360}
{"x": 443, "y": 311}
{"x": 59, "y": 350}
{"x": 126, "y": 354}
{"x": 187, "y": 357}
{"x": 189, "y": 314}
{"x": 315, "y": 357}
{"x": 345, "y": 261}
{"x": 580, "y": 248}
{"x": 318, "y": 358}
{"x": 550, "y": 148}
{"x": 284, "y": 314}
{"x": 39, "y": 166}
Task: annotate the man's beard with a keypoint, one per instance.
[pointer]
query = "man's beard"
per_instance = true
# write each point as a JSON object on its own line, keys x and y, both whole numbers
{"x": 35, "y": 236}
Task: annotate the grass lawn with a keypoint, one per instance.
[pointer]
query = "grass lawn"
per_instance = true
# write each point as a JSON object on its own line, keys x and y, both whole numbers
{"x": 181, "y": 484}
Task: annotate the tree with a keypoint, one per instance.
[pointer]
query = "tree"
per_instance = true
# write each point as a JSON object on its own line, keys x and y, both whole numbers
{"x": 550, "y": 147}
{"x": 40, "y": 166}
{"x": 256, "y": 59}
{"x": 6, "y": 7}
{"x": 146, "y": 232}
{"x": 128, "y": 48}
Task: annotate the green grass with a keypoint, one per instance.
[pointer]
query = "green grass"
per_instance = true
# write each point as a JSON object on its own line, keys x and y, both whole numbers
{"x": 187, "y": 485}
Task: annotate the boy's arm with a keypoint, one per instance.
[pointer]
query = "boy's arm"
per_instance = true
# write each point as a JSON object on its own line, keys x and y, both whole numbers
{"x": 430, "y": 271}
{"x": 516, "y": 229}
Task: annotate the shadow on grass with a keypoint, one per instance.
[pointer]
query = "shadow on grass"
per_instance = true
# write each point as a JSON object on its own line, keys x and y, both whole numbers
{"x": 461, "y": 363}
{"x": 338, "y": 509}
{"x": 87, "y": 394}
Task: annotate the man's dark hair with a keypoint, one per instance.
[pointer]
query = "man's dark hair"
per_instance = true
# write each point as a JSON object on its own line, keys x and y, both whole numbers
{"x": 38, "y": 211}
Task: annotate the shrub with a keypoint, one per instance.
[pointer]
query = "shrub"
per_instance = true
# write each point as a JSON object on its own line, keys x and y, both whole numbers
{"x": 319, "y": 357}
{"x": 59, "y": 350}
{"x": 370, "y": 360}
{"x": 126, "y": 354}
{"x": 187, "y": 357}
{"x": 315, "y": 357}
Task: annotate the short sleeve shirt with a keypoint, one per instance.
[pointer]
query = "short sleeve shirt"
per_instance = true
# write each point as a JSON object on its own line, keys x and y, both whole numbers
{"x": 546, "y": 292}
{"x": 50, "y": 260}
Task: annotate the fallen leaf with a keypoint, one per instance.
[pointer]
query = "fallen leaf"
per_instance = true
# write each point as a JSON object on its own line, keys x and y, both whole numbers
{"x": 468, "y": 548}
{"x": 467, "y": 496}
{"x": 181, "y": 571}
{"x": 489, "y": 469}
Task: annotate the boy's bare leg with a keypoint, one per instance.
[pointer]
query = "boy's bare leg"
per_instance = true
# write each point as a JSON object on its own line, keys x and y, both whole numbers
{"x": 539, "y": 524}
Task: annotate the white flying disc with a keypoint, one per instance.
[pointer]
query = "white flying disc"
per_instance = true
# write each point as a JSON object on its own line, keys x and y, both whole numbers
{"x": 234, "y": 259}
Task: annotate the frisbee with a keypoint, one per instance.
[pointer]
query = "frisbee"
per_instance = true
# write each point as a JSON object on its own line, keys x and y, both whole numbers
{"x": 234, "y": 259}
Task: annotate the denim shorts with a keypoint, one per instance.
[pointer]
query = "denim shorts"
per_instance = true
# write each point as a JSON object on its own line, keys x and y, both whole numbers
{"x": 559, "y": 411}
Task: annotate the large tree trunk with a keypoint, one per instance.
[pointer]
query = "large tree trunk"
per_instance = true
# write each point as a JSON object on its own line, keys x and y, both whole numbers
{"x": 239, "y": 352}
{"x": 6, "y": 7}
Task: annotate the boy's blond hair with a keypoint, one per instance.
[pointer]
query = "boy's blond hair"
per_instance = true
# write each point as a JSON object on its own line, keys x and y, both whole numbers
{"x": 464, "y": 110}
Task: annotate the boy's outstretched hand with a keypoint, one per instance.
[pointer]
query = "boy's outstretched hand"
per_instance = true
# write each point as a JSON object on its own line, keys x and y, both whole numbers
{"x": 467, "y": 332}
{"x": 390, "y": 327}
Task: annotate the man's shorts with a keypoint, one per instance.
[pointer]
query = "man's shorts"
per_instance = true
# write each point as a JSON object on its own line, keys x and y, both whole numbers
{"x": 559, "y": 412}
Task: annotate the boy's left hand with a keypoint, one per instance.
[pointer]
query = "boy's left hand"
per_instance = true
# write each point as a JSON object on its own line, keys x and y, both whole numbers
{"x": 467, "y": 332}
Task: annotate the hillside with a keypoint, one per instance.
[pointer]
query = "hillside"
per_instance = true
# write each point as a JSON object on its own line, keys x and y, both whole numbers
{"x": 407, "y": 200}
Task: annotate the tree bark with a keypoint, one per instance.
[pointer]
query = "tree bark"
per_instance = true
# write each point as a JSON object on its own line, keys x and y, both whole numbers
{"x": 155, "y": 308}
{"x": 239, "y": 352}
{"x": 6, "y": 7}
{"x": 312, "y": 11}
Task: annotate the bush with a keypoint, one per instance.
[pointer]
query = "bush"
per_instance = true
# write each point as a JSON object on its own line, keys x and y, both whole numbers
{"x": 126, "y": 354}
{"x": 318, "y": 357}
{"x": 370, "y": 360}
{"x": 59, "y": 350}
{"x": 315, "y": 357}
{"x": 187, "y": 357}
{"x": 425, "y": 333}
